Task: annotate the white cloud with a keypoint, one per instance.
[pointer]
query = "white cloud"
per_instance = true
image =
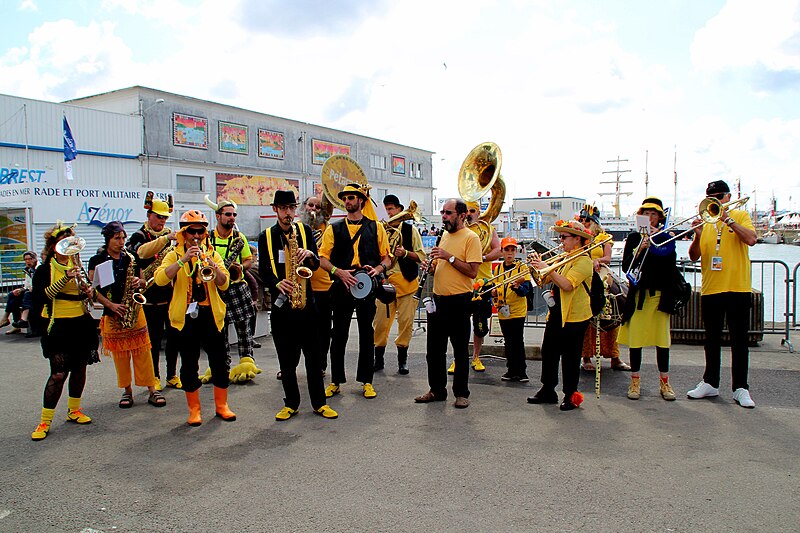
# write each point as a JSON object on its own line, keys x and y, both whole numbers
{"x": 27, "y": 5}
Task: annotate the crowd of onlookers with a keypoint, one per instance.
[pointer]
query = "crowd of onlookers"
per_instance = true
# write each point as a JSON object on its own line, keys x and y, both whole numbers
{"x": 433, "y": 231}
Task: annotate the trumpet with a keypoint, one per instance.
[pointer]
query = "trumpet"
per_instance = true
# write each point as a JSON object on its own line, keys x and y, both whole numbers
{"x": 486, "y": 285}
{"x": 207, "y": 272}
{"x": 709, "y": 211}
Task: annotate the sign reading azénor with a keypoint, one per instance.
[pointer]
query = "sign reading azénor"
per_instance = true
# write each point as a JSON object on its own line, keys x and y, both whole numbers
{"x": 88, "y": 205}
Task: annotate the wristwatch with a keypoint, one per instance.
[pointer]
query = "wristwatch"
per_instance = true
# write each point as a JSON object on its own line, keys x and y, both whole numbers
{"x": 451, "y": 259}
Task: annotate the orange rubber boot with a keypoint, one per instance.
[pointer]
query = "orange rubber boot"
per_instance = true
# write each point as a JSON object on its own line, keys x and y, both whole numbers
{"x": 193, "y": 400}
{"x": 221, "y": 402}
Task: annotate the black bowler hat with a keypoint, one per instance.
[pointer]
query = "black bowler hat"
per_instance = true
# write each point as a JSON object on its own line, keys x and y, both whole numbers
{"x": 717, "y": 187}
{"x": 284, "y": 198}
{"x": 391, "y": 199}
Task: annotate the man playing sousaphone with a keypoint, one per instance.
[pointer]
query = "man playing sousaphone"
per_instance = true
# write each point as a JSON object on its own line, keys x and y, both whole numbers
{"x": 285, "y": 251}
{"x": 234, "y": 249}
{"x": 352, "y": 243}
{"x": 198, "y": 312}
{"x": 149, "y": 244}
{"x": 403, "y": 276}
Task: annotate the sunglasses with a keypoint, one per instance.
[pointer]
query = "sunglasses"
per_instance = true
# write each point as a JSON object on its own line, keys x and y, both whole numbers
{"x": 473, "y": 210}
{"x": 231, "y": 214}
{"x": 195, "y": 231}
{"x": 161, "y": 217}
{"x": 447, "y": 212}
{"x": 562, "y": 237}
{"x": 350, "y": 197}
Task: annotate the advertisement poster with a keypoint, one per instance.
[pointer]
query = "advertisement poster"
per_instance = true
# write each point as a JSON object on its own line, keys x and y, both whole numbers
{"x": 13, "y": 243}
{"x": 246, "y": 189}
{"x": 271, "y": 144}
{"x": 398, "y": 164}
{"x": 322, "y": 150}
{"x": 189, "y": 131}
{"x": 233, "y": 138}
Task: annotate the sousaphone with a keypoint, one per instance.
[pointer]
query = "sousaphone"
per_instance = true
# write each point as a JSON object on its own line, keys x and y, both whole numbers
{"x": 479, "y": 174}
{"x": 338, "y": 171}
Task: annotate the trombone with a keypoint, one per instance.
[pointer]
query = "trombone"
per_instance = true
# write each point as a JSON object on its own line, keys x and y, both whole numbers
{"x": 709, "y": 211}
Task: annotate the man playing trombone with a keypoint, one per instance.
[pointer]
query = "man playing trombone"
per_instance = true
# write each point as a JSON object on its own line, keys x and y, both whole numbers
{"x": 722, "y": 247}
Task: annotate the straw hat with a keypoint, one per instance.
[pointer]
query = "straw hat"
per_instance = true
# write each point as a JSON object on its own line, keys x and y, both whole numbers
{"x": 572, "y": 227}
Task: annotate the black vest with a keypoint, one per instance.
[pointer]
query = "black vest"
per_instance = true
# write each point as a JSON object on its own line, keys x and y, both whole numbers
{"x": 342, "y": 253}
{"x": 408, "y": 267}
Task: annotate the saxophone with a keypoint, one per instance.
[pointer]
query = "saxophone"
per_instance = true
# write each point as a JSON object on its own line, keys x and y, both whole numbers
{"x": 131, "y": 297}
{"x": 234, "y": 250}
{"x": 149, "y": 271}
{"x": 299, "y": 274}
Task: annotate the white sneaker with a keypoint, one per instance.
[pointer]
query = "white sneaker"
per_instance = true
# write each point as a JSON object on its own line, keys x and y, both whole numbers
{"x": 703, "y": 390}
{"x": 742, "y": 397}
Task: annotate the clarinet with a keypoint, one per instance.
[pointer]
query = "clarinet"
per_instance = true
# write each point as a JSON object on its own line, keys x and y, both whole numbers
{"x": 423, "y": 276}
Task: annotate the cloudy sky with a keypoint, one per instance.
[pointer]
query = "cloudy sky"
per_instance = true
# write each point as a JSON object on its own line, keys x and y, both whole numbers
{"x": 562, "y": 86}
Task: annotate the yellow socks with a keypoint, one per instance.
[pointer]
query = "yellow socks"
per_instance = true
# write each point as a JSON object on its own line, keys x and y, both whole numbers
{"x": 44, "y": 426}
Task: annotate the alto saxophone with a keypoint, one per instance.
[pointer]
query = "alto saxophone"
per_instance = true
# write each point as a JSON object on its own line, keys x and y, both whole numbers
{"x": 149, "y": 271}
{"x": 299, "y": 274}
{"x": 132, "y": 299}
{"x": 233, "y": 252}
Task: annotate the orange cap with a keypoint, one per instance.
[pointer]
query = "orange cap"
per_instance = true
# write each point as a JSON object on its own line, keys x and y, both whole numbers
{"x": 508, "y": 241}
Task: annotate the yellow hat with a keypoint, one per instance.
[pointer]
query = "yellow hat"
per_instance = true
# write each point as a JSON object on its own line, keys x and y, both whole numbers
{"x": 159, "y": 207}
{"x": 474, "y": 205}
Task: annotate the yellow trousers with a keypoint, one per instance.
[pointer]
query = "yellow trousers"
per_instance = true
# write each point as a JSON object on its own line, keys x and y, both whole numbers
{"x": 142, "y": 367}
{"x": 403, "y": 308}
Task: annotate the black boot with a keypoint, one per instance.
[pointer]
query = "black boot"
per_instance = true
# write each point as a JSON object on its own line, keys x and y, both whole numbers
{"x": 379, "y": 351}
{"x": 402, "y": 360}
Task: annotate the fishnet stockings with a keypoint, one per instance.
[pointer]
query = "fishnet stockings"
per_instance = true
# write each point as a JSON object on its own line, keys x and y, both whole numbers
{"x": 60, "y": 366}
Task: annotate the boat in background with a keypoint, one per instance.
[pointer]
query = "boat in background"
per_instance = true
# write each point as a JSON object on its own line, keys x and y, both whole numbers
{"x": 771, "y": 237}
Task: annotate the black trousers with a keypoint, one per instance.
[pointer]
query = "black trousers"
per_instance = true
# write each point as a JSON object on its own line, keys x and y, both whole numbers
{"x": 157, "y": 317}
{"x": 291, "y": 334}
{"x": 736, "y": 307}
{"x": 562, "y": 343}
{"x": 513, "y": 335}
{"x": 197, "y": 333}
{"x": 323, "y": 317}
{"x": 449, "y": 322}
{"x": 343, "y": 304}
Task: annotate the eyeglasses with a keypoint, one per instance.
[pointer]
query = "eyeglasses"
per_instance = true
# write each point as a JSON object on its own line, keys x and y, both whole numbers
{"x": 350, "y": 197}
{"x": 473, "y": 210}
{"x": 195, "y": 231}
{"x": 231, "y": 214}
{"x": 447, "y": 212}
{"x": 562, "y": 237}
{"x": 315, "y": 206}
{"x": 161, "y": 217}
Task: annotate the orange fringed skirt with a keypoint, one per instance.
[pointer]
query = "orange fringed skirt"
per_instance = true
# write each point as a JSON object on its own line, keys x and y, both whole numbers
{"x": 126, "y": 346}
{"x": 608, "y": 342}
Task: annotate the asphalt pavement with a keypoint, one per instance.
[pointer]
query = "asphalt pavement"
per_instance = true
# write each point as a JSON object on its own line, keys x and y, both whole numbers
{"x": 389, "y": 464}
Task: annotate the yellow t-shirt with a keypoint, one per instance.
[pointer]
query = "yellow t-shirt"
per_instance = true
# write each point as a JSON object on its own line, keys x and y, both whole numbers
{"x": 576, "y": 304}
{"x": 221, "y": 247}
{"x": 64, "y": 308}
{"x": 735, "y": 255}
{"x": 320, "y": 279}
{"x": 465, "y": 245}
{"x": 327, "y": 242}
{"x": 401, "y": 284}
{"x": 518, "y": 305}
{"x": 599, "y": 252}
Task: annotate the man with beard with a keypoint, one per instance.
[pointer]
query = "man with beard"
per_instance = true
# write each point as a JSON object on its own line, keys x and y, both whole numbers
{"x": 293, "y": 306}
{"x": 403, "y": 275}
{"x": 313, "y": 217}
{"x": 455, "y": 262}
{"x": 353, "y": 243}
{"x": 149, "y": 244}
{"x": 481, "y": 309}
{"x": 226, "y": 239}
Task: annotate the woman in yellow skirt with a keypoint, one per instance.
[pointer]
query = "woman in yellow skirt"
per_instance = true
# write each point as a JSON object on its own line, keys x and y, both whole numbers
{"x": 646, "y": 318}
{"x": 126, "y": 344}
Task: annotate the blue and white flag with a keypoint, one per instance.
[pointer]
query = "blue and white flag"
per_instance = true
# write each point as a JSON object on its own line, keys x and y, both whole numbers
{"x": 70, "y": 151}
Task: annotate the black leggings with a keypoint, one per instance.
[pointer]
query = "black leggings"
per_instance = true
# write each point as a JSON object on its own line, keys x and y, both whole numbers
{"x": 662, "y": 358}
{"x": 60, "y": 366}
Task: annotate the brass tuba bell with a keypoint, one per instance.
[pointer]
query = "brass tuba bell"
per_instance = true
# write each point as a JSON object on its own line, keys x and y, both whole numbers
{"x": 479, "y": 174}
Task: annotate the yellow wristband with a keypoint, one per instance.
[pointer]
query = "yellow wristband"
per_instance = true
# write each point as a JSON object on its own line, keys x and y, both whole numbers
{"x": 180, "y": 263}
{"x": 333, "y": 271}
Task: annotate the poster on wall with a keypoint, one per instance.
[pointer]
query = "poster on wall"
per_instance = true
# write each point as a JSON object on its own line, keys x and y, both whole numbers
{"x": 13, "y": 243}
{"x": 233, "y": 138}
{"x": 322, "y": 150}
{"x": 245, "y": 189}
{"x": 398, "y": 164}
{"x": 189, "y": 131}
{"x": 318, "y": 190}
{"x": 271, "y": 144}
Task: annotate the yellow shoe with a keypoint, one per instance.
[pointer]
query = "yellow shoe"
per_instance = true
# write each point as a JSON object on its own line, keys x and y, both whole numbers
{"x": 285, "y": 414}
{"x": 157, "y": 385}
{"x": 332, "y": 390}
{"x": 326, "y": 412}
{"x": 666, "y": 391}
{"x": 77, "y": 416}
{"x": 369, "y": 391}
{"x": 634, "y": 389}
{"x": 452, "y": 369}
{"x": 175, "y": 382}
{"x": 41, "y": 431}
{"x": 477, "y": 366}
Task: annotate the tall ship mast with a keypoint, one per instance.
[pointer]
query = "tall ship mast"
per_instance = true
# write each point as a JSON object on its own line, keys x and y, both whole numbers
{"x": 617, "y": 226}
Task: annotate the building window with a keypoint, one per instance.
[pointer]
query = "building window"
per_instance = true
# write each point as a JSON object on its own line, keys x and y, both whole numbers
{"x": 555, "y": 206}
{"x": 381, "y": 194}
{"x": 377, "y": 161}
{"x": 185, "y": 182}
{"x": 415, "y": 170}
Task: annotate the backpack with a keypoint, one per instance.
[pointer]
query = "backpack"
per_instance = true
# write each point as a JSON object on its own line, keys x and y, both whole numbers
{"x": 597, "y": 296}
